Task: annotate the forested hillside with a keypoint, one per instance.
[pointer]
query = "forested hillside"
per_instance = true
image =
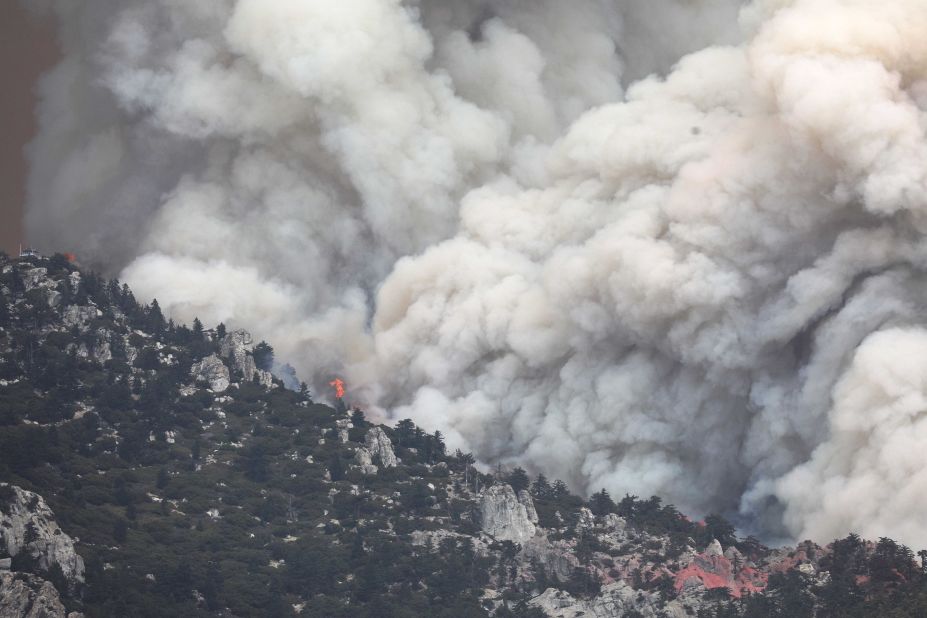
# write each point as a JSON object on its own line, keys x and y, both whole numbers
{"x": 157, "y": 469}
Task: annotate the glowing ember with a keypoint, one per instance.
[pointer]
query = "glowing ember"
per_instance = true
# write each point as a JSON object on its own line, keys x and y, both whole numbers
{"x": 338, "y": 384}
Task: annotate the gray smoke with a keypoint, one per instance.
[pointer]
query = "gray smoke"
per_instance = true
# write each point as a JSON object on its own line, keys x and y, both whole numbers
{"x": 670, "y": 247}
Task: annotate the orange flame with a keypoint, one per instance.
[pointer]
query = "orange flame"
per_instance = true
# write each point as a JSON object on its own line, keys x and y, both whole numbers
{"x": 70, "y": 257}
{"x": 338, "y": 383}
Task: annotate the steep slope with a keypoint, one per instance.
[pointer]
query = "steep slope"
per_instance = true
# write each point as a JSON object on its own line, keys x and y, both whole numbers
{"x": 152, "y": 469}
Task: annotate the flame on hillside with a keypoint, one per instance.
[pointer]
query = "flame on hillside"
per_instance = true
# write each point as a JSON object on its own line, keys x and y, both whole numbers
{"x": 338, "y": 385}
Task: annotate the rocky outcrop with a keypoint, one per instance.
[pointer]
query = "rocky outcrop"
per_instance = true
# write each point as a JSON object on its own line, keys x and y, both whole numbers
{"x": 586, "y": 519}
{"x": 28, "y": 596}
{"x": 99, "y": 349}
{"x": 34, "y": 277}
{"x": 74, "y": 281}
{"x": 364, "y": 460}
{"x": 379, "y": 445}
{"x": 616, "y": 599}
{"x": 525, "y": 499}
{"x": 556, "y": 557}
{"x": 503, "y": 516}
{"x": 28, "y": 526}
{"x": 614, "y": 523}
{"x": 236, "y": 348}
{"x": 715, "y": 568}
{"x": 79, "y": 316}
{"x": 212, "y": 371}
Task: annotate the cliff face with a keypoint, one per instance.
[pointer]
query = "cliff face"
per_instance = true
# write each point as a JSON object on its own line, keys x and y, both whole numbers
{"x": 236, "y": 348}
{"x": 505, "y": 517}
{"x": 28, "y": 526}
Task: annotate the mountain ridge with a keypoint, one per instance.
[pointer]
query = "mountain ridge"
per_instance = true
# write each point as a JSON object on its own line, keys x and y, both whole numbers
{"x": 195, "y": 484}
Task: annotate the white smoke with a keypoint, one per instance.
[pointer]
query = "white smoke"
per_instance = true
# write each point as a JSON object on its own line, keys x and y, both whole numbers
{"x": 667, "y": 247}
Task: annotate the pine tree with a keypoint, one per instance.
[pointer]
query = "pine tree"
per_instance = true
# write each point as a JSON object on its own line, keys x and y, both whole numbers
{"x": 519, "y": 480}
{"x": 601, "y": 503}
{"x": 466, "y": 460}
{"x": 439, "y": 448}
{"x": 405, "y": 432}
{"x": 197, "y": 328}
{"x": 559, "y": 490}
{"x": 220, "y": 331}
{"x": 156, "y": 322}
{"x": 541, "y": 487}
{"x": 264, "y": 356}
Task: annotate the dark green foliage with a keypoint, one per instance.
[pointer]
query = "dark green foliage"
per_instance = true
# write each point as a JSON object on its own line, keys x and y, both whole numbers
{"x": 264, "y": 356}
{"x": 601, "y": 503}
{"x": 518, "y": 479}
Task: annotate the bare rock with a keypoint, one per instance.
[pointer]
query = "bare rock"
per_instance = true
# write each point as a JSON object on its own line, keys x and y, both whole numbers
{"x": 557, "y": 557}
{"x": 24, "y": 595}
{"x": 28, "y": 525}
{"x": 74, "y": 281}
{"x": 714, "y": 548}
{"x": 34, "y": 277}
{"x": 503, "y": 516}
{"x": 525, "y": 498}
{"x": 586, "y": 519}
{"x": 365, "y": 461}
{"x": 616, "y": 599}
{"x": 79, "y": 316}
{"x": 236, "y": 347}
{"x": 212, "y": 371}
{"x": 379, "y": 445}
{"x": 615, "y": 522}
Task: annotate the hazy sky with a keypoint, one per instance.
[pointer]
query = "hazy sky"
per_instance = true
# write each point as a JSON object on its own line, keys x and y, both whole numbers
{"x": 26, "y": 49}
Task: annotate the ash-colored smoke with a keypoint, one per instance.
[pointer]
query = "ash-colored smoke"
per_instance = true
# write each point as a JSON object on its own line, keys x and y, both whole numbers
{"x": 706, "y": 283}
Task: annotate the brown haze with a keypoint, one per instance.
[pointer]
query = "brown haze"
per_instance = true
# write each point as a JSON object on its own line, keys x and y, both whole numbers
{"x": 26, "y": 49}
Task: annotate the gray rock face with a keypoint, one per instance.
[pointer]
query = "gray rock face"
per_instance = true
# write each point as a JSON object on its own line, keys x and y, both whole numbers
{"x": 28, "y": 525}
{"x": 365, "y": 461}
{"x": 557, "y": 557}
{"x": 236, "y": 347}
{"x": 79, "y": 315}
{"x": 74, "y": 281}
{"x": 379, "y": 445}
{"x": 586, "y": 519}
{"x": 27, "y": 596}
{"x": 503, "y": 516}
{"x": 213, "y": 371}
{"x": 615, "y": 523}
{"x": 714, "y": 548}
{"x": 525, "y": 498}
{"x": 100, "y": 349}
{"x": 617, "y": 599}
{"x": 34, "y": 277}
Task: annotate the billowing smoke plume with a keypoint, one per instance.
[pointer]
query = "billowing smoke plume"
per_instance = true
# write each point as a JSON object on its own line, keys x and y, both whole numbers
{"x": 669, "y": 247}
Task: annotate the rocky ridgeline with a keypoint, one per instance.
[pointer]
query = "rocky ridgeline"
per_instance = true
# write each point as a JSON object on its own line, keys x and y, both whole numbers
{"x": 176, "y": 434}
{"x": 629, "y": 563}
